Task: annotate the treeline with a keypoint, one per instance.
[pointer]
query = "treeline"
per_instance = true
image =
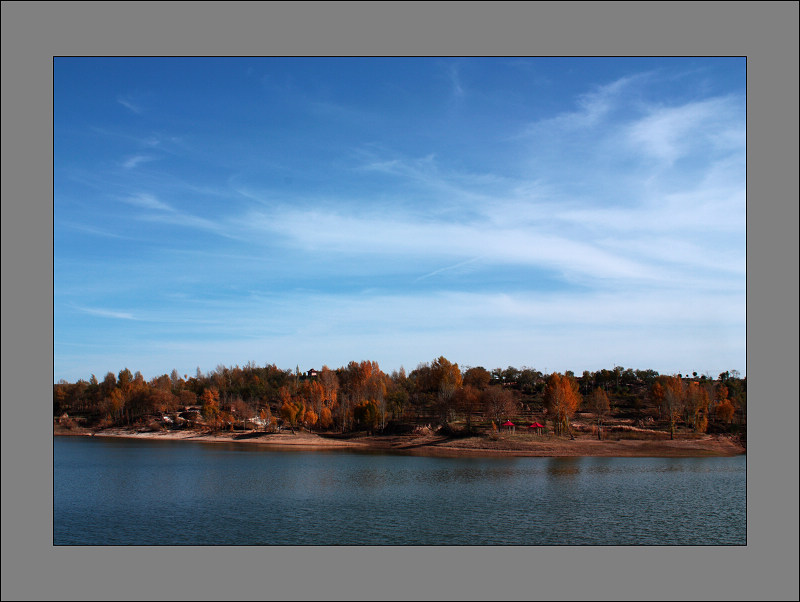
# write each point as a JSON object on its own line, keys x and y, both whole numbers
{"x": 361, "y": 397}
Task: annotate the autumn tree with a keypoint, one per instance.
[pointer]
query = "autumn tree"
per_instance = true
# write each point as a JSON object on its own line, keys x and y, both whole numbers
{"x": 60, "y": 398}
{"x": 498, "y": 403}
{"x": 562, "y": 398}
{"x": 187, "y": 398}
{"x": 115, "y": 402}
{"x": 376, "y": 392}
{"x": 210, "y": 406}
{"x": 162, "y": 401}
{"x": 467, "y": 400}
{"x": 359, "y": 383}
{"x": 266, "y": 416}
{"x": 446, "y": 379}
{"x": 291, "y": 408}
{"x": 423, "y": 391}
{"x": 366, "y": 414}
{"x": 241, "y": 410}
{"x": 124, "y": 378}
{"x": 316, "y": 396}
{"x": 325, "y": 418}
{"x": 397, "y": 393}
{"x": 696, "y": 407}
{"x": 724, "y": 411}
{"x": 668, "y": 393}
{"x": 310, "y": 418}
{"x": 599, "y": 404}
{"x": 330, "y": 386}
{"x": 477, "y": 377}
{"x": 720, "y": 393}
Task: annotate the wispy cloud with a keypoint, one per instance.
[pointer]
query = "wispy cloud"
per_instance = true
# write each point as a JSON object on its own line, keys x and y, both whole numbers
{"x": 395, "y": 236}
{"x": 668, "y": 133}
{"x": 186, "y": 220}
{"x": 592, "y": 108}
{"x": 457, "y": 267}
{"x": 162, "y": 212}
{"x": 130, "y": 104}
{"x": 94, "y": 231}
{"x": 455, "y": 81}
{"x": 107, "y": 313}
{"x": 136, "y": 160}
{"x": 147, "y": 201}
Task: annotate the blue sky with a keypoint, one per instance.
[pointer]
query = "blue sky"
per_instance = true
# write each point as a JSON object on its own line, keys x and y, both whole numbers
{"x": 556, "y": 213}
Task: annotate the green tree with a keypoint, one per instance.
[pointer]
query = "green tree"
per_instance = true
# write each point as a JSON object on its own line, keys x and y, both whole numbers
{"x": 366, "y": 414}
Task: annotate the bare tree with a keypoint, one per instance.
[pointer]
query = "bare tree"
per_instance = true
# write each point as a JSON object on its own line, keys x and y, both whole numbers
{"x": 599, "y": 404}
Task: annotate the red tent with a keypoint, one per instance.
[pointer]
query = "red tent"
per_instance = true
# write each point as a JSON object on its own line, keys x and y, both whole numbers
{"x": 509, "y": 425}
{"x": 537, "y": 426}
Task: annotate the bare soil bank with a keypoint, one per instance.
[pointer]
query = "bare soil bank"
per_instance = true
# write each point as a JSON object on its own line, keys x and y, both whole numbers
{"x": 440, "y": 445}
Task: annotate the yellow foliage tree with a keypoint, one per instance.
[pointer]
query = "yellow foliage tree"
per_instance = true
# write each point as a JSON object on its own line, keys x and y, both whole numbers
{"x": 310, "y": 418}
{"x": 325, "y": 418}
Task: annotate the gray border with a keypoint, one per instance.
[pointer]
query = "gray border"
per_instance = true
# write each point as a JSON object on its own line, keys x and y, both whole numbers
{"x": 32, "y": 32}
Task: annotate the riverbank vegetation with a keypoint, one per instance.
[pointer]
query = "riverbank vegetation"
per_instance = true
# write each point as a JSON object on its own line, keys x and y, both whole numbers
{"x": 437, "y": 396}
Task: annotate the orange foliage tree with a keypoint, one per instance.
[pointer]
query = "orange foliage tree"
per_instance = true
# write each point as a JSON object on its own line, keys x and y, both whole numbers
{"x": 725, "y": 411}
{"x": 310, "y": 418}
{"x": 325, "y": 418}
{"x": 292, "y": 409}
{"x": 210, "y": 406}
{"x": 562, "y": 398}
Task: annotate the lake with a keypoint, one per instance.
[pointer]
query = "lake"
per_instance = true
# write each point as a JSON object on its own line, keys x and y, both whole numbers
{"x": 132, "y": 492}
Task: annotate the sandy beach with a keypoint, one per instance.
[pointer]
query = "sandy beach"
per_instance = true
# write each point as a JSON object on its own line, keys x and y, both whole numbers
{"x": 436, "y": 444}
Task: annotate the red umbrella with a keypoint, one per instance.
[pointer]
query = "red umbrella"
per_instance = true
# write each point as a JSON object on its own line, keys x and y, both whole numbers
{"x": 536, "y": 425}
{"x": 509, "y": 425}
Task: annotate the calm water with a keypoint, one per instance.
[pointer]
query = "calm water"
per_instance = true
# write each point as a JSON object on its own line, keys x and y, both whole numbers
{"x": 128, "y": 492}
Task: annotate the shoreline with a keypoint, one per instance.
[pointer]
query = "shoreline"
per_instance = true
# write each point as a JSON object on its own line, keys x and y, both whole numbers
{"x": 439, "y": 445}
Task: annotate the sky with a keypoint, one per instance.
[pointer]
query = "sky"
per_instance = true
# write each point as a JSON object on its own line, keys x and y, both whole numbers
{"x": 553, "y": 213}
